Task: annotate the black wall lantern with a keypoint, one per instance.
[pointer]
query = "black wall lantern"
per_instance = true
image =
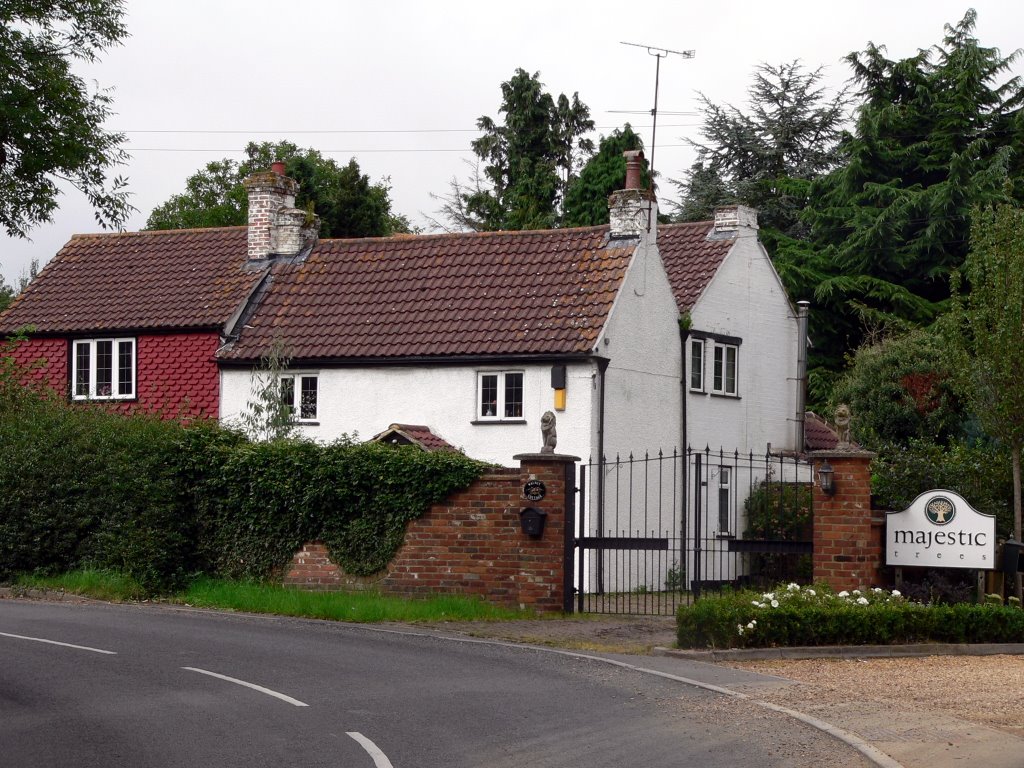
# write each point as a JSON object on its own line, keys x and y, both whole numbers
{"x": 532, "y": 521}
{"x": 827, "y": 478}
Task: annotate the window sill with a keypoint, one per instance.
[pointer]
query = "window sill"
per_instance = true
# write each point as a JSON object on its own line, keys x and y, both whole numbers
{"x": 306, "y": 423}
{"x": 725, "y": 396}
{"x": 104, "y": 399}
{"x": 725, "y": 535}
{"x": 491, "y": 422}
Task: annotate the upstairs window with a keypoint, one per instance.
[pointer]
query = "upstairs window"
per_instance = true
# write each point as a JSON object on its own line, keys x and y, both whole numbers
{"x": 723, "y": 379}
{"x": 103, "y": 369}
{"x": 299, "y": 395}
{"x": 499, "y": 395}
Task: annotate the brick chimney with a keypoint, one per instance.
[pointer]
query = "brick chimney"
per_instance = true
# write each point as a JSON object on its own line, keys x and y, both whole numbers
{"x": 276, "y": 226}
{"x": 633, "y": 210}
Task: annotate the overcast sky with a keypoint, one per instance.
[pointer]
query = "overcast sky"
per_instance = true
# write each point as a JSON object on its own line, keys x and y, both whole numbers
{"x": 399, "y": 85}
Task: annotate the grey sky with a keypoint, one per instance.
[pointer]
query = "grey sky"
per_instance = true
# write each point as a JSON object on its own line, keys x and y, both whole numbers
{"x": 399, "y": 85}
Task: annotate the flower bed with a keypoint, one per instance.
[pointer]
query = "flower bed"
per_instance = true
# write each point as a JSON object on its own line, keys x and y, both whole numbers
{"x": 793, "y": 615}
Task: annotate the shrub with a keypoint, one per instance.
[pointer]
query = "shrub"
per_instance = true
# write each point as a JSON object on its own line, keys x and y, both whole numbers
{"x": 901, "y": 388}
{"x": 981, "y": 473}
{"x": 795, "y": 616}
{"x": 84, "y": 488}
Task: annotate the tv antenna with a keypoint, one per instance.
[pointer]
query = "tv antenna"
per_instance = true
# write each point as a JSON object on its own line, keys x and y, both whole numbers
{"x": 658, "y": 54}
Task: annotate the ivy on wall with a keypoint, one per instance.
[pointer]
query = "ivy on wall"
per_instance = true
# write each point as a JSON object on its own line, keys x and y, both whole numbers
{"x": 81, "y": 487}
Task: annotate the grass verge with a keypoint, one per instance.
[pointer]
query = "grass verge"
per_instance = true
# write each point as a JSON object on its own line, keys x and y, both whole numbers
{"x": 360, "y": 607}
{"x": 101, "y": 584}
{"x": 254, "y": 597}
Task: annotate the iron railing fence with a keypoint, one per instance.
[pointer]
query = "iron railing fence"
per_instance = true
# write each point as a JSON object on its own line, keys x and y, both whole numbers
{"x": 656, "y": 531}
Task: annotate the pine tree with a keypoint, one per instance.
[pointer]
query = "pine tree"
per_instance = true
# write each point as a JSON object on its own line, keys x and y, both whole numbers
{"x": 935, "y": 134}
{"x": 766, "y": 157}
{"x": 586, "y": 202}
{"x": 530, "y": 160}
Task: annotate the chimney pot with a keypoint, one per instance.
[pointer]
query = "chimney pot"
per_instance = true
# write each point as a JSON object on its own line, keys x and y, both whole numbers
{"x": 277, "y": 167}
{"x": 634, "y": 164}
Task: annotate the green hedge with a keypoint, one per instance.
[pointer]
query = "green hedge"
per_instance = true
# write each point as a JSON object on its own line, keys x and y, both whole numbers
{"x": 795, "y": 616}
{"x": 84, "y": 488}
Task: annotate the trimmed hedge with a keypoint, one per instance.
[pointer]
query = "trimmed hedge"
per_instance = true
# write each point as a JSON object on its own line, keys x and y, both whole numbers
{"x": 84, "y": 488}
{"x": 795, "y": 616}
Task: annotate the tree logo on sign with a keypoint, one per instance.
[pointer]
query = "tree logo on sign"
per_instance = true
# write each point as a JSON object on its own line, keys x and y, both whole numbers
{"x": 940, "y": 510}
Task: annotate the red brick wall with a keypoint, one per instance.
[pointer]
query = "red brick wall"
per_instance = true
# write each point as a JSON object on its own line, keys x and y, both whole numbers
{"x": 176, "y": 373}
{"x": 471, "y": 544}
{"x": 847, "y": 547}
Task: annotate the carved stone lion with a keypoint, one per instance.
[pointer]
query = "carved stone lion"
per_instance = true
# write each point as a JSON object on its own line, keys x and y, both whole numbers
{"x": 547, "y": 430}
{"x": 843, "y": 418}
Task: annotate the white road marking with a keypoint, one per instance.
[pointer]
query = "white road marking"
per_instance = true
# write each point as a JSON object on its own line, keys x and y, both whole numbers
{"x": 255, "y": 687}
{"x": 54, "y": 642}
{"x": 379, "y": 758}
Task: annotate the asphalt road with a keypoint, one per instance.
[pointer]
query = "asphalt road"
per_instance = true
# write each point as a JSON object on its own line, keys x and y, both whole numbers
{"x": 104, "y": 685}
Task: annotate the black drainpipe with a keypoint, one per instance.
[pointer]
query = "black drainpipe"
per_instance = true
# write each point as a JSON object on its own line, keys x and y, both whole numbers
{"x": 803, "y": 309}
{"x": 684, "y": 334}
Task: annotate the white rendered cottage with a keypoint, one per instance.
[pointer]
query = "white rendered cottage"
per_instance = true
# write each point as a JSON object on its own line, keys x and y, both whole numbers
{"x": 476, "y": 335}
{"x": 639, "y": 337}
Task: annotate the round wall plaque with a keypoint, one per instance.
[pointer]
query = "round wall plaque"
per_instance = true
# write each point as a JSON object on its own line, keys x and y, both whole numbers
{"x": 534, "y": 490}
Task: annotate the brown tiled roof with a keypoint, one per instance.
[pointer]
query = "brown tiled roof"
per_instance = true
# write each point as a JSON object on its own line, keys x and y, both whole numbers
{"x": 690, "y": 258}
{"x": 413, "y": 434}
{"x": 818, "y": 435}
{"x": 469, "y": 294}
{"x": 182, "y": 279}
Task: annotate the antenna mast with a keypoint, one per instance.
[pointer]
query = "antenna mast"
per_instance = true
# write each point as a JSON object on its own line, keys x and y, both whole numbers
{"x": 658, "y": 54}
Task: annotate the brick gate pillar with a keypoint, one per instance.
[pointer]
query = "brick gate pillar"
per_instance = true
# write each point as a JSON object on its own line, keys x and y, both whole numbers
{"x": 847, "y": 554}
{"x": 548, "y": 558}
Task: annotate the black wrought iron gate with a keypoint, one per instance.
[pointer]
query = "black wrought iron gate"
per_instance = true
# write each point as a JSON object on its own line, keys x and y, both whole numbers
{"x": 658, "y": 531}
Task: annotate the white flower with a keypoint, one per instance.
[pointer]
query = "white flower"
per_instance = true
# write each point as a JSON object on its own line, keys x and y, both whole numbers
{"x": 768, "y": 595}
{"x": 757, "y": 604}
{"x": 751, "y": 625}
{"x": 811, "y": 592}
{"x": 897, "y": 593}
{"x": 862, "y": 601}
{"x": 856, "y": 591}
{"x": 844, "y": 593}
{"x": 877, "y": 590}
{"x": 793, "y": 587}
{"x": 739, "y": 628}
{"x": 775, "y": 603}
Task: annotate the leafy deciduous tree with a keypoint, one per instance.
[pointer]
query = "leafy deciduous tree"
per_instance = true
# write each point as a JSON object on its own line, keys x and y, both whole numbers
{"x": 347, "y": 203}
{"x": 985, "y": 329}
{"x": 51, "y": 126}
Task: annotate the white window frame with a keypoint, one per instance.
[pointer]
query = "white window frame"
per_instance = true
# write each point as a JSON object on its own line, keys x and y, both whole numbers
{"x": 498, "y": 412}
{"x": 297, "y": 378}
{"x": 91, "y": 374}
{"x": 720, "y": 380}
{"x": 697, "y": 368}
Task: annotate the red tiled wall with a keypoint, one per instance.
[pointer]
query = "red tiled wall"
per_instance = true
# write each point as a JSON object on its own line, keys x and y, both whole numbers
{"x": 847, "y": 542}
{"x": 45, "y": 362}
{"x": 177, "y": 375}
{"x": 471, "y": 544}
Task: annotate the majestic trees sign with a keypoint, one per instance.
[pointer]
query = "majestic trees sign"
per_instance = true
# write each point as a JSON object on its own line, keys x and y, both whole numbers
{"x": 940, "y": 530}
